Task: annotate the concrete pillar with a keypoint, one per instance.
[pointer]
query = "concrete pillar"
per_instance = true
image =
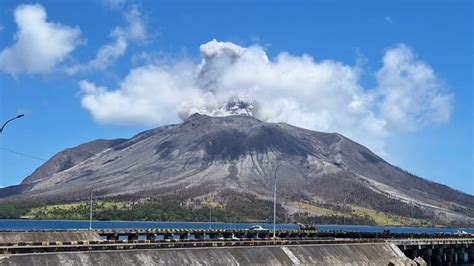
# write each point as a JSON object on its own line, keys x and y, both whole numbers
{"x": 426, "y": 254}
{"x": 411, "y": 252}
{"x": 437, "y": 258}
{"x": 132, "y": 237}
{"x": 459, "y": 255}
{"x": 414, "y": 251}
{"x": 470, "y": 254}
{"x": 449, "y": 252}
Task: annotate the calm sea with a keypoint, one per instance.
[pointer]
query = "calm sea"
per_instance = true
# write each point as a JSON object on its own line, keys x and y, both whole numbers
{"x": 70, "y": 224}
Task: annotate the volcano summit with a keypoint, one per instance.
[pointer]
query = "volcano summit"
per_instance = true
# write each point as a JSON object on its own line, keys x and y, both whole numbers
{"x": 212, "y": 156}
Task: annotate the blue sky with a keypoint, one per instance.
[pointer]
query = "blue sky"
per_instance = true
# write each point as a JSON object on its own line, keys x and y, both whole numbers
{"x": 115, "y": 68}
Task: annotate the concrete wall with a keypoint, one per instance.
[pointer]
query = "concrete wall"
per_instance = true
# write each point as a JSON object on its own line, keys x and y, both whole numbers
{"x": 343, "y": 254}
{"x": 11, "y": 237}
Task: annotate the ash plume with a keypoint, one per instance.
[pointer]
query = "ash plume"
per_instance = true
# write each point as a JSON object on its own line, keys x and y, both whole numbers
{"x": 217, "y": 58}
{"x": 323, "y": 95}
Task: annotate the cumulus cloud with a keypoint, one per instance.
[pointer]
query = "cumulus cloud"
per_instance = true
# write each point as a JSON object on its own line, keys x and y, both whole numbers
{"x": 148, "y": 95}
{"x": 411, "y": 94}
{"x": 38, "y": 45}
{"x": 319, "y": 95}
{"x": 134, "y": 30}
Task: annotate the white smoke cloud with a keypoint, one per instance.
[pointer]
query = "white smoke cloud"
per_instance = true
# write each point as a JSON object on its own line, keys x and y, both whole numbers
{"x": 319, "y": 95}
{"x": 39, "y": 45}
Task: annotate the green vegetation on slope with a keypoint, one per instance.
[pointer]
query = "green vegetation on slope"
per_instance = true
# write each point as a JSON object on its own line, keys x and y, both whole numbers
{"x": 14, "y": 210}
{"x": 350, "y": 214}
{"x": 234, "y": 208}
{"x": 238, "y": 208}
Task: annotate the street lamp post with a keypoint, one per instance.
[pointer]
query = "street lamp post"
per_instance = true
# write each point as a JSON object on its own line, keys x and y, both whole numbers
{"x": 210, "y": 217}
{"x": 9, "y": 120}
{"x": 210, "y": 211}
{"x": 343, "y": 215}
{"x": 90, "y": 215}
{"x": 274, "y": 197}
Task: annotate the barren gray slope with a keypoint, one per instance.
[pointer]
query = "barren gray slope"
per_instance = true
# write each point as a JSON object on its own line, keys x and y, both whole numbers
{"x": 206, "y": 155}
{"x": 70, "y": 157}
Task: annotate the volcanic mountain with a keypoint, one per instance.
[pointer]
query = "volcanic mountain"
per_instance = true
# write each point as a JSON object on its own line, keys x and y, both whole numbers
{"x": 210, "y": 156}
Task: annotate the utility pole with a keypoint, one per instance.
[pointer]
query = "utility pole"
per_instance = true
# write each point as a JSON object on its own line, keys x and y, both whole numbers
{"x": 274, "y": 197}
{"x": 299, "y": 212}
{"x": 90, "y": 215}
{"x": 210, "y": 217}
{"x": 274, "y": 204}
{"x": 210, "y": 211}
{"x": 343, "y": 215}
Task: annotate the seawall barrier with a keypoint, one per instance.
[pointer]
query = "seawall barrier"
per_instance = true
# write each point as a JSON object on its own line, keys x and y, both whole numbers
{"x": 322, "y": 254}
{"x": 46, "y": 236}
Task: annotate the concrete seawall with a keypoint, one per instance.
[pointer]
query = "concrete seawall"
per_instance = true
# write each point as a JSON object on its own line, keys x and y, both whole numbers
{"x": 335, "y": 254}
{"x": 65, "y": 236}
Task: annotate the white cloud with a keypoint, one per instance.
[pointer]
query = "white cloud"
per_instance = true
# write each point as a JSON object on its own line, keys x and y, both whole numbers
{"x": 105, "y": 56}
{"x": 148, "y": 95}
{"x": 412, "y": 95}
{"x": 135, "y": 30}
{"x": 39, "y": 45}
{"x": 114, "y": 4}
{"x": 388, "y": 19}
{"x": 319, "y": 95}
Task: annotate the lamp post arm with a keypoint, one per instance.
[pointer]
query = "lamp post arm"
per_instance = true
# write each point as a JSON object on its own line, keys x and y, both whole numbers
{"x": 9, "y": 120}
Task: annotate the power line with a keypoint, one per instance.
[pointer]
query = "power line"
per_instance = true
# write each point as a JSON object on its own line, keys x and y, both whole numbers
{"x": 22, "y": 154}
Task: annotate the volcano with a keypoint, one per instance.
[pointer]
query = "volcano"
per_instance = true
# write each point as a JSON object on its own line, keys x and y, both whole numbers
{"x": 210, "y": 156}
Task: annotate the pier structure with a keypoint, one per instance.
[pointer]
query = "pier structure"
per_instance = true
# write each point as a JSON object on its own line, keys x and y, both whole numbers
{"x": 299, "y": 246}
{"x": 439, "y": 251}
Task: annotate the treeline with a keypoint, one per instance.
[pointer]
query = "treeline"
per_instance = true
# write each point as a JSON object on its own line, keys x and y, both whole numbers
{"x": 337, "y": 219}
{"x": 150, "y": 211}
{"x": 233, "y": 211}
{"x": 15, "y": 211}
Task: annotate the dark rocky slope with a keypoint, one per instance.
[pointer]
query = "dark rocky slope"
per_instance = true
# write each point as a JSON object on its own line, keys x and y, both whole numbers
{"x": 207, "y": 156}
